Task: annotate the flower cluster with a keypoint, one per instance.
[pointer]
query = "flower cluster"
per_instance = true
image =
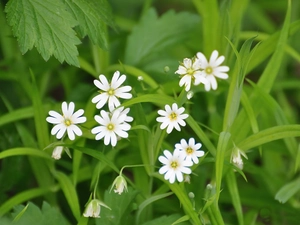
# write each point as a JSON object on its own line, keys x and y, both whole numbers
{"x": 185, "y": 155}
{"x": 199, "y": 70}
{"x": 114, "y": 124}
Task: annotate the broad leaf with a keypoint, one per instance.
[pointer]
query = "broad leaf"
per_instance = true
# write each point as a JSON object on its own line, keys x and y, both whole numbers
{"x": 92, "y": 16}
{"x": 33, "y": 215}
{"x": 121, "y": 206}
{"x": 47, "y": 26}
{"x": 154, "y": 35}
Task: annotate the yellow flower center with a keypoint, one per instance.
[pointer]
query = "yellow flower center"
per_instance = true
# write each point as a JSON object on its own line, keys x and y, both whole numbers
{"x": 173, "y": 116}
{"x": 174, "y": 164}
{"x": 110, "y": 127}
{"x": 190, "y": 71}
{"x": 111, "y": 92}
{"x": 68, "y": 122}
{"x": 209, "y": 70}
{"x": 189, "y": 150}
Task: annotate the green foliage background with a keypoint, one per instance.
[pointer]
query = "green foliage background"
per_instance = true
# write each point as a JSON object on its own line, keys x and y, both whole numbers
{"x": 52, "y": 50}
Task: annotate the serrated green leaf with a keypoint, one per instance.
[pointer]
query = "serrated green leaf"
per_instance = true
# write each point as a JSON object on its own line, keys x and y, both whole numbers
{"x": 45, "y": 216}
{"x": 153, "y": 34}
{"x": 121, "y": 206}
{"x": 91, "y": 18}
{"x": 47, "y": 26}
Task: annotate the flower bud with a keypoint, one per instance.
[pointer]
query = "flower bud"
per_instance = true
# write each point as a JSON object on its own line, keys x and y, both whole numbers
{"x": 120, "y": 184}
{"x": 93, "y": 209}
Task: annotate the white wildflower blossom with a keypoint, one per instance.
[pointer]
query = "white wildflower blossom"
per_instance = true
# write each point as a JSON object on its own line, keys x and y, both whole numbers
{"x": 67, "y": 121}
{"x": 110, "y": 92}
{"x": 172, "y": 117}
{"x": 236, "y": 158}
{"x": 212, "y": 69}
{"x": 112, "y": 126}
{"x": 190, "y": 150}
{"x": 174, "y": 166}
{"x": 120, "y": 185}
{"x": 190, "y": 73}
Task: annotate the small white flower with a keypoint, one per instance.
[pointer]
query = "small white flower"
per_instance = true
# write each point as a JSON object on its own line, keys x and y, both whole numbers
{"x": 67, "y": 121}
{"x": 236, "y": 158}
{"x": 140, "y": 78}
{"x": 212, "y": 69}
{"x": 120, "y": 184}
{"x": 112, "y": 126}
{"x": 57, "y": 151}
{"x": 125, "y": 111}
{"x": 174, "y": 166}
{"x": 110, "y": 92}
{"x": 190, "y": 73}
{"x": 190, "y": 150}
{"x": 93, "y": 209}
{"x": 172, "y": 117}
{"x": 189, "y": 95}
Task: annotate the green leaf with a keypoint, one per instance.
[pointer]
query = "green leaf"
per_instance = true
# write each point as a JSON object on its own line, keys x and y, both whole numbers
{"x": 24, "y": 151}
{"x": 149, "y": 201}
{"x": 22, "y": 197}
{"x": 153, "y": 35}
{"x": 163, "y": 220}
{"x": 91, "y": 16}
{"x": 268, "y": 135}
{"x": 70, "y": 193}
{"x": 269, "y": 75}
{"x": 121, "y": 206}
{"x": 47, "y": 26}
{"x": 45, "y": 216}
{"x": 287, "y": 191}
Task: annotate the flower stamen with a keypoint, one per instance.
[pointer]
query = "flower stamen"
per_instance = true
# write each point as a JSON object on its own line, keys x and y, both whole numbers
{"x": 174, "y": 164}
{"x": 173, "y": 116}
{"x": 67, "y": 122}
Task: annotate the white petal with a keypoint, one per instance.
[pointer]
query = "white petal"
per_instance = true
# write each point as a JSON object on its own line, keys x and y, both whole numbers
{"x": 169, "y": 129}
{"x": 71, "y": 134}
{"x": 218, "y": 62}
{"x": 202, "y": 59}
{"x": 75, "y": 129}
{"x": 61, "y": 132}
{"x": 163, "y": 170}
{"x": 181, "y": 70}
{"x": 179, "y": 176}
{"x": 213, "y": 57}
{"x": 187, "y": 63}
{"x": 55, "y": 114}
{"x": 105, "y": 84}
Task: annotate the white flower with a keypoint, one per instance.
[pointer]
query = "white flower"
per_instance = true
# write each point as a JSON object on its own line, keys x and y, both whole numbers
{"x": 189, "y": 95}
{"x": 93, "y": 209}
{"x": 110, "y": 92}
{"x": 67, "y": 121}
{"x": 113, "y": 125}
{"x": 212, "y": 69}
{"x": 190, "y": 73}
{"x": 124, "y": 111}
{"x": 174, "y": 166}
{"x": 190, "y": 150}
{"x": 236, "y": 158}
{"x": 120, "y": 184}
{"x": 172, "y": 117}
{"x": 57, "y": 151}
